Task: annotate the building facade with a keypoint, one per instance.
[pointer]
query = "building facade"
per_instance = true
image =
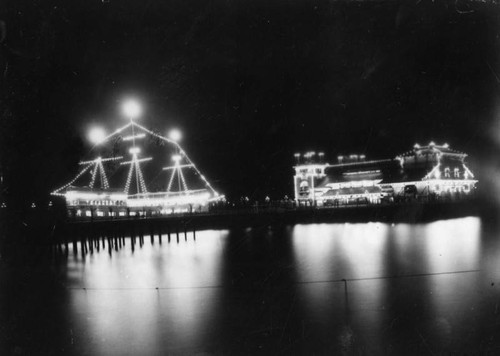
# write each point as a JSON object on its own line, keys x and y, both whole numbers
{"x": 425, "y": 172}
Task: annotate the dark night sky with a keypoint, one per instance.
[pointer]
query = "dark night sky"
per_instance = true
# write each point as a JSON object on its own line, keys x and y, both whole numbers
{"x": 249, "y": 82}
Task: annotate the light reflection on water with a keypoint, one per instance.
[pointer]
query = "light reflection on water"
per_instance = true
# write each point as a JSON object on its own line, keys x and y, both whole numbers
{"x": 158, "y": 297}
{"x": 360, "y": 253}
{"x": 273, "y": 290}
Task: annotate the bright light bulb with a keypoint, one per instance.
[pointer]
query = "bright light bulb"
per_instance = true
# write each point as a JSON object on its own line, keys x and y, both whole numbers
{"x": 131, "y": 109}
{"x": 134, "y": 150}
{"x": 175, "y": 135}
{"x": 97, "y": 135}
{"x": 176, "y": 158}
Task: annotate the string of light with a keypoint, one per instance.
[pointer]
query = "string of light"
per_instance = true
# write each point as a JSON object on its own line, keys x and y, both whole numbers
{"x": 174, "y": 171}
{"x": 104, "y": 179}
{"x": 56, "y": 192}
{"x": 129, "y": 179}
{"x": 96, "y": 165}
{"x": 182, "y": 152}
{"x": 182, "y": 179}
{"x": 94, "y": 173}
{"x": 135, "y": 166}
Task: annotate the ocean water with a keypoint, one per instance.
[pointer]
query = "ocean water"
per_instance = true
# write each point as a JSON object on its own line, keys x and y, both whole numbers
{"x": 368, "y": 288}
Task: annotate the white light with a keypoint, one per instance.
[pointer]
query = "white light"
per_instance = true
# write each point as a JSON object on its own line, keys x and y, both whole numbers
{"x": 446, "y": 145}
{"x": 134, "y": 150}
{"x": 131, "y": 109}
{"x": 176, "y": 158}
{"x": 175, "y": 135}
{"x": 130, "y": 138}
{"x": 432, "y": 143}
{"x": 97, "y": 135}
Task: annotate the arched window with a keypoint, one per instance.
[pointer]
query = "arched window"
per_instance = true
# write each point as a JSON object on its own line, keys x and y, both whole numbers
{"x": 456, "y": 173}
{"x": 447, "y": 172}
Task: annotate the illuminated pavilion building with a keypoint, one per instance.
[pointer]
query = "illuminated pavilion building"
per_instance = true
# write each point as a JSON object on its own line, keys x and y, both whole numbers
{"x": 136, "y": 171}
{"x": 431, "y": 171}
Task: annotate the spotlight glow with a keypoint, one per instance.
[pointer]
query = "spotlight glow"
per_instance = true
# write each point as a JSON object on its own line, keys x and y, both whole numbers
{"x": 96, "y": 135}
{"x": 131, "y": 109}
{"x": 175, "y": 135}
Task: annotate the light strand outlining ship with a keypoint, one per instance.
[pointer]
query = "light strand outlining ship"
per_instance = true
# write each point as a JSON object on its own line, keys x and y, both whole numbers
{"x": 90, "y": 193}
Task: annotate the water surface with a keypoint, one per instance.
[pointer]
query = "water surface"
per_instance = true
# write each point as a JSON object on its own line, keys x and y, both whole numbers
{"x": 368, "y": 288}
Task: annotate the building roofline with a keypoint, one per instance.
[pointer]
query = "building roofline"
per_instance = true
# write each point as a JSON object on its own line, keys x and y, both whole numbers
{"x": 347, "y": 164}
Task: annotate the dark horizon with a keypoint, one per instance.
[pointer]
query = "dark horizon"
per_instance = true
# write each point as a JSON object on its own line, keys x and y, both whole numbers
{"x": 249, "y": 84}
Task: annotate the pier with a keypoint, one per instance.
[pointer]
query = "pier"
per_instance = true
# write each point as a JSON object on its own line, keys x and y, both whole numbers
{"x": 181, "y": 227}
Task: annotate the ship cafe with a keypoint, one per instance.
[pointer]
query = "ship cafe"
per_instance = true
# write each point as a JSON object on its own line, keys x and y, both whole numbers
{"x": 135, "y": 171}
{"x": 429, "y": 172}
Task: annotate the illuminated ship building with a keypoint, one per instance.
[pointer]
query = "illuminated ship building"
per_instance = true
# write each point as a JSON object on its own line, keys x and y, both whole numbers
{"x": 137, "y": 172}
{"x": 429, "y": 172}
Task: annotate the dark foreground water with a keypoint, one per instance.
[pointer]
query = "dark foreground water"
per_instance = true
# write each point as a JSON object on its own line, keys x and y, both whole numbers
{"x": 410, "y": 289}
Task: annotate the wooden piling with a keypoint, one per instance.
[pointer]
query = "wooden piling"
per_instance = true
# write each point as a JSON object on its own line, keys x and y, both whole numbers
{"x": 83, "y": 245}
{"x": 91, "y": 243}
{"x": 75, "y": 245}
{"x": 66, "y": 240}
